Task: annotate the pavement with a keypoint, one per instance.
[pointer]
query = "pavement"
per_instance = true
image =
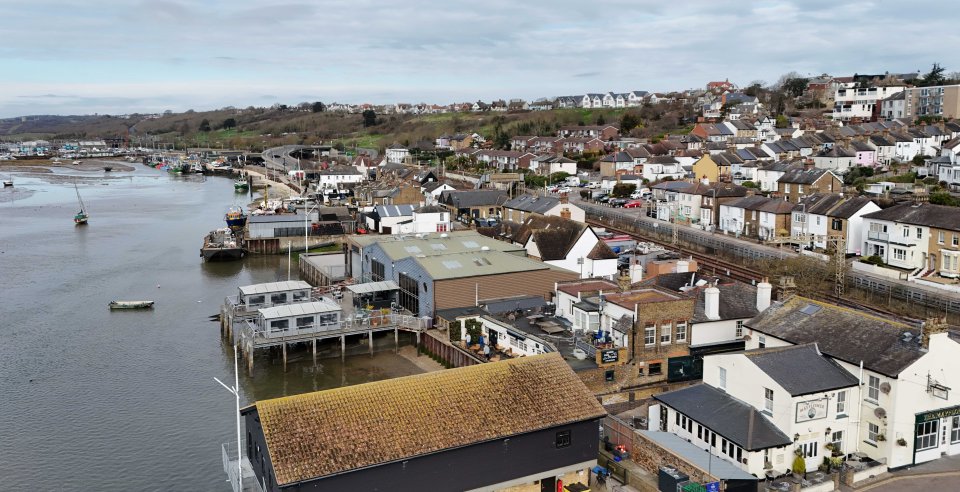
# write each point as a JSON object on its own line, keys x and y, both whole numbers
{"x": 941, "y": 474}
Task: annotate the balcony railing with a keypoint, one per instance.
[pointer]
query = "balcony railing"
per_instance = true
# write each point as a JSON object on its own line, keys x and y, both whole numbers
{"x": 229, "y": 455}
{"x": 250, "y": 330}
{"x": 878, "y": 236}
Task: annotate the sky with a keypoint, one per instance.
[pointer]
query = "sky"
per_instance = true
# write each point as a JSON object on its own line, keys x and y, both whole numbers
{"x": 128, "y": 56}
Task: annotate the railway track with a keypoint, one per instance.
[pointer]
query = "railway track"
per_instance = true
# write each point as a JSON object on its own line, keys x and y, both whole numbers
{"x": 734, "y": 271}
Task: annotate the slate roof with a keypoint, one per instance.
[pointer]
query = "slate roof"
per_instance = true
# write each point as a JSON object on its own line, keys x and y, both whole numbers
{"x": 394, "y": 210}
{"x": 727, "y": 416}
{"x": 923, "y": 214}
{"x": 573, "y": 288}
{"x": 841, "y": 333}
{"x": 818, "y": 204}
{"x": 430, "y": 209}
{"x": 801, "y": 369}
{"x": 851, "y": 206}
{"x": 802, "y": 176}
{"x": 327, "y": 432}
{"x": 532, "y": 203}
{"x": 473, "y": 198}
{"x": 737, "y": 301}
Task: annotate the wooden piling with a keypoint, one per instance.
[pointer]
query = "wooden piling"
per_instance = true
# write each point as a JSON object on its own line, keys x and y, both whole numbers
{"x": 370, "y": 338}
{"x": 343, "y": 348}
{"x": 396, "y": 340}
{"x": 314, "y": 350}
{"x": 284, "y": 356}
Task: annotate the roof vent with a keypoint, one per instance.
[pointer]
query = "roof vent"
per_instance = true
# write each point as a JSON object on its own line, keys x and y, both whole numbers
{"x": 907, "y": 336}
{"x": 485, "y": 248}
{"x": 444, "y": 235}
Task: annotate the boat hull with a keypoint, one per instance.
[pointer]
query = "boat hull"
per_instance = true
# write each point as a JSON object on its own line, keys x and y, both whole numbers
{"x": 236, "y": 223}
{"x": 221, "y": 254}
{"x": 131, "y": 304}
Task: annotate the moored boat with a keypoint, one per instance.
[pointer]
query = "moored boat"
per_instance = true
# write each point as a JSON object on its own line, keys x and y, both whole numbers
{"x": 131, "y": 304}
{"x": 107, "y": 169}
{"x": 81, "y": 217}
{"x": 241, "y": 185}
{"x": 235, "y": 218}
{"x": 8, "y": 182}
{"x": 221, "y": 245}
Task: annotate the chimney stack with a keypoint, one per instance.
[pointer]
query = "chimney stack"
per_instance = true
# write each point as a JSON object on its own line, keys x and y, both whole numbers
{"x": 764, "y": 293}
{"x": 808, "y": 165}
{"x": 932, "y": 326}
{"x": 711, "y": 302}
{"x": 786, "y": 287}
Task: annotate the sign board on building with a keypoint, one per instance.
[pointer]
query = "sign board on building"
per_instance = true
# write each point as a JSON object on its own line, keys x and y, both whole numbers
{"x": 609, "y": 356}
{"x": 938, "y": 414}
{"x": 811, "y": 410}
{"x": 712, "y": 486}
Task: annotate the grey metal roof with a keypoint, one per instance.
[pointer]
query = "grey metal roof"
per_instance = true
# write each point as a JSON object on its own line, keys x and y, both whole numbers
{"x": 719, "y": 467}
{"x": 369, "y": 287}
{"x": 271, "y": 287}
{"x": 477, "y": 263}
{"x": 841, "y": 333}
{"x": 298, "y": 309}
{"x": 721, "y": 413}
{"x": 801, "y": 369}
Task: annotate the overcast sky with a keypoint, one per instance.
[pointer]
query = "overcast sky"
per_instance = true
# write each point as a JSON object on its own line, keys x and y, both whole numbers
{"x": 124, "y": 56}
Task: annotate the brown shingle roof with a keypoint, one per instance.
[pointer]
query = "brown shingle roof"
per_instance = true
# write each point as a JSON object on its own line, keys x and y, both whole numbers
{"x": 318, "y": 434}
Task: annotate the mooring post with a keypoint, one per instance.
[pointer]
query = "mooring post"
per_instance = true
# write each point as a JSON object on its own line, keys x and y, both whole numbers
{"x": 396, "y": 340}
{"x": 314, "y": 350}
{"x": 343, "y": 348}
{"x": 249, "y": 353}
{"x": 370, "y": 338}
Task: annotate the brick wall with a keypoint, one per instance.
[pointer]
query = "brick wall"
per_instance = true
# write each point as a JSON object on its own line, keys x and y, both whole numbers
{"x": 664, "y": 314}
{"x": 650, "y": 456}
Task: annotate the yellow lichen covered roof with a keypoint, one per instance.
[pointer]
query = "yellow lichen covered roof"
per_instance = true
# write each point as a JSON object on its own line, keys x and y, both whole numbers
{"x": 318, "y": 434}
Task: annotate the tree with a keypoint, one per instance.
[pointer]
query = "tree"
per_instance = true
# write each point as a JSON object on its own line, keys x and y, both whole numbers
{"x": 944, "y": 198}
{"x": 628, "y": 122}
{"x": 204, "y": 125}
{"x": 623, "y": 189}
{"x": 601, "y": 120}
{"x": 229, "y": 123}
{"x": 318, "y": 107}
{"x": 369, "y": 117}
{"x": 934, "y": 76}
{"x": 781, "y": 121}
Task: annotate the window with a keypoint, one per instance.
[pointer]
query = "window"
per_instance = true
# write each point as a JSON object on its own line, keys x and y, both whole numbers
{"x": 650, "y": 335}
{"x": 899, "y": 254}
{"x": 739, "y": 333}
{"x": 762, "y": 341}
{"x": 927, "y": 434}
{"x": 305, "y": 322}
{"x": 699, "y": 432}
{"x": 941, "y": 236}
{"x": 255, "y": 300}
{"x": 955, "y": 430}
{"x": 280, "y": 325}
{"x": 841, "y": 403}
{"x": 786, "y": 187}
{"x": 872, "y": 431}
{"x": 809, "y": 449}
{"x": 327, "y": 319}
{"x": 300, "y": 295}
{"x": 655, "y": 369}
{"x": 873, "y": 389}
{"x": 681, "y": 332}
{"x": 837, "y": 440}
{"x": 836, "y": 224}
{"x": 919, "y": 233}
{"x": 409, "y": 294}
{"x": 376, "y": 271}
{"x": 768, "y": 400}
{"x": 665, "y": 334}
{"x": 563, "y": 439}
{"x": 906, "y": 232}
{"x": 723, "y": 378}
{"x": 956, "y": 239}
{"x": 677, "y": 415}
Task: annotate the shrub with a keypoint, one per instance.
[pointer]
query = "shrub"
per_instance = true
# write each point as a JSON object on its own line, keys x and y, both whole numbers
{"x": 873, "y": 260}
{"x": 799, "y": 465}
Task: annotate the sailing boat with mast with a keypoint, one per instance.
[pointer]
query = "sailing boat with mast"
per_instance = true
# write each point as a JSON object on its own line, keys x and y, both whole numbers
{"x": 81, "y": 217}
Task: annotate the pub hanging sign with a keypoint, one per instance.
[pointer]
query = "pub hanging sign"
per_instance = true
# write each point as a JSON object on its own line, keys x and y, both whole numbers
{"x": 811, "y": 410}
{"x": 609, "y": 356}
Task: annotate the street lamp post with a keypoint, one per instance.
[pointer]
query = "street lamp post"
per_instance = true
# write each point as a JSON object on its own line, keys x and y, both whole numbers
{"x": 235, "y": 390}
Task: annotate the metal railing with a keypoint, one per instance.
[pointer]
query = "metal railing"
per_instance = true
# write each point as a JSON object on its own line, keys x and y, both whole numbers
{"x": 361, "y": 323}
{"x": 230, "y": 467}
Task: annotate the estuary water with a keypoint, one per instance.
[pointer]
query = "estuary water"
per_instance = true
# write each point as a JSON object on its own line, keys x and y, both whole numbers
{"x": 97, "y": 400}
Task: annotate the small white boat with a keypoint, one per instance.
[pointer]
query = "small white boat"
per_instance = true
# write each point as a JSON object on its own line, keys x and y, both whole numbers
{"x": 7, "y": 182}
{"x": 131, "y": 304}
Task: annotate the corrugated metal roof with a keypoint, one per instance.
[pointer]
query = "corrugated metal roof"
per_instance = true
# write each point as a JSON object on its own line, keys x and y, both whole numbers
{"x": 472, "y": 264}
{"x": 373, "y": 287}
{"x": 288, "y": 310}
{"x": 395, "y": 210}
{"x": 270, "y": 287}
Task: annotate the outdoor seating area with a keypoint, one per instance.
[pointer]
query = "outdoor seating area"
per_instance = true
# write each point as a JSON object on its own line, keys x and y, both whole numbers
{"x": 811, "y": 479}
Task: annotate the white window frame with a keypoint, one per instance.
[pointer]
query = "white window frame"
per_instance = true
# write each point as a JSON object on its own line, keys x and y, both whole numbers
{"x": 723, "y": 378}
{"x": 873, "y": 389}
{"x": 768, "y": 400}
{"x": 665, "y": 334}
{"x": 873, "y": 430}
{"x": 739, "y": 330}
{"x": 681, "y": 332}
{"x": 650, "y": 335}
{"x": 927, "y": 435}
{"x": 955, "y": 429}
{"x": 841, "y": 403}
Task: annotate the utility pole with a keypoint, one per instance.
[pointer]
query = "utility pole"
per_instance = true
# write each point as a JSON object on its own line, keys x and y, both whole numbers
{"x": 840, "y": 264}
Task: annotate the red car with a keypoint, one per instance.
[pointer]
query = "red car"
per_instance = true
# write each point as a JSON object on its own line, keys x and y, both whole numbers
{"x": 634, "y": 204}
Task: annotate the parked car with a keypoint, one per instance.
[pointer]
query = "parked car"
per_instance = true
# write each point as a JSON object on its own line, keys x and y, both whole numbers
{"x": 563, "y": 189}
{"x": 603, "y": 198}
{"x": 642, "y": 193}
{"x": 633, "y": 204}
{"x": 618, "y": 202}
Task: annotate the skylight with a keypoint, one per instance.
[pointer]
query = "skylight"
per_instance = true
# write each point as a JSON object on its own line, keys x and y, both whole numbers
{"x": 810, "y": 309}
